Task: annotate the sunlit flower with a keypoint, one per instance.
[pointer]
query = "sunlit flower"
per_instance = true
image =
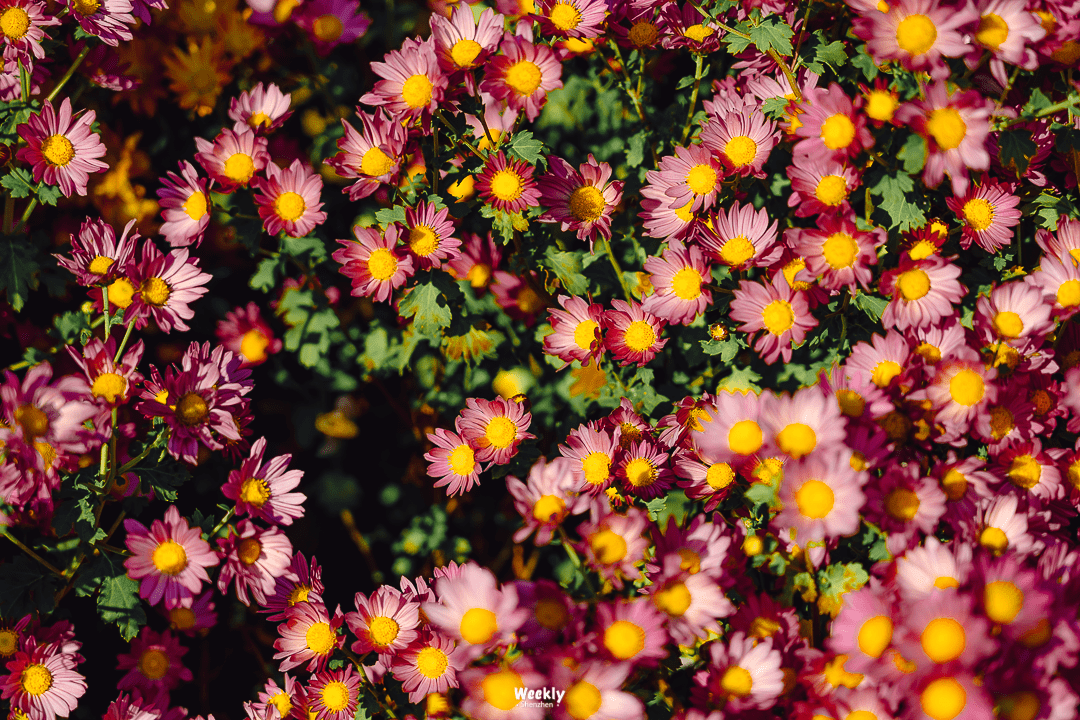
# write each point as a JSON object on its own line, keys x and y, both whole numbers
{"x": 547, "y": 499}
{"x": 678, "y": 278}
{"x": 452, "y": 462}
{"x": 507, "y": 184}
{"x": 263, "y": 109}
{"x": 494, "y": 427}
{"x": 576, "y": 329}
{"x": 592, "y": 452}
{"x": 1013, "y": 313}
{"x": 581, "y": 200}
{"x": 62, "y": 150}
{"x": 463, "y": 41}
{"x": 820, "y": 185}
{"x": 917, "y": 33}
{"x": 334, "y": 694}
{"x": 308, "y": 635}
{"x": 288, "y": 199}
{"x": 170, "y": 558}
{"x": 691, "y": 176}
{"x": 255, "y": 558}
{"x": 632, "y": 334}
{"x": 522, "y": 75}
{"x": 373, "y": 262}
{"x": 233, "y": 158}
{"x": 247, "y": 335}
{"x": 830, "y": 126}
{"x": 780, "y": 312}
{"x": 740, "y": 237}
{"x": 837, "y": 251}
{"x": 185, "y": 206}
{"x": 42, "y": 684}
{"x": 373, "y": 156}
{"x": 109, "y": 20}
{"x": 1060, "y": 284}
{"x": 107, "y": 380}
{"x": 385, "y": 623}
{"x": 21, "y": 23}
{"x": 742, "y": 139}
{"x": 989, "y": 213}
{"x": 97, "y": 256}
{"x": 412, "y": 86}
{"x": 571, "y": 18}
{"x": 166, "y": 285}
{"x": 303, "y": 583}
{"x": 474, "y": 610}
{"x": 923, "y": 292}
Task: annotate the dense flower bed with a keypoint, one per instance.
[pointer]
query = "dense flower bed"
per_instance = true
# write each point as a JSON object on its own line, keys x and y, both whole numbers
{"x": 746, "y": 330}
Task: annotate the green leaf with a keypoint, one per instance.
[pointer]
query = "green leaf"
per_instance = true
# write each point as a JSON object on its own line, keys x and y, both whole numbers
{"x": 1016, "y": 149}
{"x": 737, "y": 43}
{"x": 25, "y": 587}
{"x": 568, "y": 268}
{"x": 301, "y": 246}
{"x": 118, "y": 597}
{"x": 48, "y": 194}
{"x": 643, "y": 391}
{"x": 75, "y": 513}
{"x": 871, "y": 305}
{"x": 427, "y": 307}
{"x": 388, "y": 216}
{"x": 725, "y": 349}
{"x": 864, "y": 62}
{"x": 913, "y": 154}
{"x": 775, "y": 107}
{"x": 832, "y": 54}
{"x": 635, "y": 148}
{"x": 1037, "y": 101}
{"x": 526, "y": 147}
{"x": 673, "y": 505}
{"x": 772, "y": 34}
{"x": 893, "y": 189}
{"x": 162, "y": 476}
{"x": 19, "y": 182}
{"x": 266, "y": 274}
{"x": 18, "y": 269}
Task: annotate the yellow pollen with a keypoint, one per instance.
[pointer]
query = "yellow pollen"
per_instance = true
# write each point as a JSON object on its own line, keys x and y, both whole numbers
{"x": 943, "y": 699}
{"x": 686, "y": 284}
{"x": 9, "y": 642}
{"x": 884, "y": 372}
{"x": 336, "y": 695}
{"x": 585, "y": 334}
{"x": 101, "y": 264}
{"x": 913, "y": 284}
{"x": 946, "y": 127}
{"x": 501, "y": 432}
{"x": 994, "y": 539}
{"x": 507, "y": 185}
{"x": 880, "y": 105}
{"x": 701, "y": 179}
{"x": 432, "y": 662}
{"x": 639, "y": 336}
{"x": 763, "y": 627}
{"x": 320, "y": 638}
{"x": 416, "y": 91}
{"x": 902, "y": 504}
{"x": 153, "y": 664}
{"x": 169, "y": 558}
{"x": 837, "y": 132}
{"x": 57, "y": 150}
{"x": 992, "y": 31}
{"x": 582, "y": 700}
{"x": 851, "y": 403}
{"x": 565, "y": 16}
{"x": 382, "y": 264}
{"x": 253, "y": 346}
{"x": 1008, "y": 324}
{"x": 831, "y": 190}
{"x": 815, "y": 499}
{"x": 196, "y": 205}
{"x": 737, "y": 250}
{"x": 608, "y": 547}
{"x": 875, "y": 635}
{"x": 376, "y": 163}
{"x": 86, "y": 8}
{"x": 928, "y": 352}
{"x": 623, "y": 639}
{"x": 1001, "y": 422}
{"x": 383, "y": 631}
{"x": 299, "y": 594}
{"x": 740, "y": 150}
{"x": 1025, "y": 472}
{"x": 478, "y": 626}
{"x": 778, "y": 317}
{"x": 501, "y": 689}
{"x": 462, "y": 461}
{"x": 36, "y": 679}
{"x": 587, "y": 204}
{"x": 686, "y": 212}
{"x": 255, "y": 491}
{"x": 954, "y": 484}
{"x": 916, "y": 34}
{"x": 182, "y": 618}
{"x": 109, "y": 386}
{"x": 121, "y": 292}
{"x": 549, "y": 507}
{"x": 967, "y": 387}
{"x": 191, "y": 409}
{"x": 840, "y": 250}
{"x": 239, "y": 168}
{"x": 1068, "y": 294}
{"x": 464, "y": 52}
{"x": 258, "y": 120}
{"x": 551, "y": 614}
{"x": 524, "y": 77}
{"x": 697, "y": 33}
{"x": 858, "y": 461}
{"x": 289, "y": 206}
{"x": 249, "y": 550}
{"x": 155, "y": 291}
{"x": 943, "y": 639}
{"x": 597, "y": 467}
{"x": 744, "y": 437}
{"x": 1003, "y": 601}
{"x": 978, "y": 213}
{"x": 737, "y": 681}
{"x": 328, "y": 28}
{"x": 674, "y": 599}
{"x": 14, "y": 23}
{"x": 643, "y": 34}
{"x": 719, "y": 476}
{"x": 640, "y": 472}
{"x": 753, "y": 545}
{"x": 797, "y": 440}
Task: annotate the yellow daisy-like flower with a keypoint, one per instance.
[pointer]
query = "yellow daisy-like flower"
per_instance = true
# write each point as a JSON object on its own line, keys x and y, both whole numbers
{"x": 198, "y": 75}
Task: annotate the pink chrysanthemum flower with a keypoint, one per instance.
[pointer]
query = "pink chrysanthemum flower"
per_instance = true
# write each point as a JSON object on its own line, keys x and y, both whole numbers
{"x": 154, "y": 665}
{"x": 308, "y": 635}
{"x": 185, "y": 206}
{"x": 452, "y": 462}
{"x": 822, "y": 496}
{"x": 262, "y": 109}
{"x": 386, "y": 623}
{"x": 1013, "y": 313}
{"x": 740, "y": 237}
{"x": 464, "y": 42}
{"x": 373, "y": 262}
{"x": 493, "y": 692}
{"x": 494, "y": 427}
{"x": 330, "y": 23}
{"x": 571, "y": 18}
{"x": 687, "y": 28}
{"x": 581, "y": 200}
{"x": 109, "y": 20}
{"x": 1008, "y": 30}
{"x": 884, "y": 360}
{"x": 958, "y": 696}
{"x": 955, "y": 128}
{"x": 1032, "y": 470}
{"x": 632, "y": 631}
{"x": 631, "y": 334}
{"x": 246, "y": 334}
{"x": 256, "y": 558}
{"x": 303, "y": 583}
{"x": 576, "y": 333}
{"x": 413, "y": 84}
{"x": 60, "y": 149}
{"x": 42, "y": 684}
{"x": 742, "y": 139}
{"x": 1000, "y": 525}
{"x": 507, "y": 184}
{"x": 917, "y": 33}
{"x": 692, "y": 176}
{"x": 745, "y": 673}
{"x": 800, "y": 424}
{"x": 548, "y": 498}
{"x": 864, "y": 628}
{"x": 107, "y": 381}
{"x": 989, "y": 213}
{"x": 820, "y": 185}
{"x": 644, "y": 470}
{"x": 662, "y": 217}
{"x": 473, "y": 610}
{"x": 905, "y": 506}
{"x": 170, "y": 558}
{"x": 263, "y": 489}
{"x": 923, "y": 571}
{"x": 195, "y": 620}
{"x": 959, "y": 389}
{"x": 166, "y": 285}
{"x": 551, "y": 613}
{"x": 1064, "y": 243}
{"x": 131, "y": 707}
{"x": 831, "y": 127}
{"x": 711, "y": 482}
{"x": 284, "y": 697}
{"x": 923, "y": 292}
{"x": 373, "y": 156}
{"x": 693, "y": 603}
{"x": 594, "y": 691}
{"x": 97, "y": 256}
{"x": 430, "y": 234}
{"x": 614, "y": 545}
{"x": 592, "y": 453}
{"x": 837, "y": 252}
{"x": 233, "y": 158}
{"x": 21, "y": 23}
{"x": 781, "y": 313}
{"x": 522, "y": 75}
{"x": 334, "y": 694}
{"x": 729, "y": 431}
{"x": 288, "y": 199}
{"x": 1060, "y": 284}
{"x": 428, "y": 666}
{"x": 678, "y": 277}
{"x": 479, "y": 259}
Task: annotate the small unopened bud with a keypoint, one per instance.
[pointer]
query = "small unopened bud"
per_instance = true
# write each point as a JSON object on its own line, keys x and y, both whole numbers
{"x": 718, "y": 331}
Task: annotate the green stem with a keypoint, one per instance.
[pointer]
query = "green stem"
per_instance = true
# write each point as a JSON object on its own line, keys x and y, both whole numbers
{"x": 67, "y": 76}
{"x": 124, "y": 342}
{"x": 483, "y": 122}
{"x": 45, "y": 563}
{"x": 224, "y": 520}
{"x": 25, "y": 216}
{"x": 699, "y": 64}
{"x": 463, "y": 141}
{"x": 24, "y": 81}
{"x": 618, "y": 271}
{"x": 787, "y": 73}
{"x": 105, "y": 309}
{"x": 572, "y": 554}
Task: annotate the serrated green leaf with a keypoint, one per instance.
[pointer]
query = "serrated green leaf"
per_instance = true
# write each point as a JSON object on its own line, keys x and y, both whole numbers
{"x": 19, "y": 182}
{"x": 1016, "y": 149}
{"x": 673, "y": 505}
{"x": 526, "y": 147}
{"x": 427, "y": 307}
{"x": 388, "y": 216}
{"x": 726, "y": 349}
{"x": 775, "y": 107}
{"x": 913, "y": 154}
{"x": 772, "y": 34}
{"x": 864, "y": 62}
{"x": 832, "y": 54}
{"x": 893, "y": 189}
{"x": 118, "y": 598}
{"x": 635, "y": 148}
{"x": 25, "y": 587}
{"x": 266, "y": 274}
{"x": 301, "y": 246}
{"x": 1037, "y": 101}
{"x": 871, "y": 305}
{"x": 48, "y": 194}
{"x": 567, "y": 267}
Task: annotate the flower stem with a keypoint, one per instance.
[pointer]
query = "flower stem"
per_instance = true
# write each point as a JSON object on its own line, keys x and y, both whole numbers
{"x": 25, "y": 215}
{"x": 45, "y": 563}
{"x": 699, "y": 63}
{"x": 462, "y": 140}
{"x": 224, "y": 520}
{"x": 124, "y": 342}
{"x": 618, "y": 270}
{"x": 67, "y": 76}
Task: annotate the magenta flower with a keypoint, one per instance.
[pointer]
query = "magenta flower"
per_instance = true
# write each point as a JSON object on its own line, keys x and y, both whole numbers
{"x": 576, "y": 329}
{"x": 262, "y": 109}
{"x": 923, "y": 292}
{"x": 429, "y": 665}
{"x": 837, "y": 252}
{"x": 334, "y": 694}
{"x": 60, "y": 149}
{"x": 413, "y": 84}
{"x": 820, "y": 185}
{"x": 462, "y": 42}
{"x": 452, "y": 462}
{"x": 109, "y": 20}
{"x": 385, "y": 623}
{"x": 548, "y": 498}
{"x": 154, "y": 665}
{"x": 373, "y": 156}
{"x": 581, "y": 200}
{"x": 494, "y": 427}
{"x": 632, "y": 631}
{"x": 256, "y": 558}
{"x": 781, "y": 313}
{"x": 264, "y": 489}
{"x": 185, "y": 206}
{"x": 918, "y": 33}
{"x": 303, "y": 583}
{"x": 522, "y": 75}
{"x": 233, "y": 158}
{"x": 742, "y": 138}
{"x": 166, "y": 286}
{"x": 632, "y": 334}
{"x": 507, "y": 184}
{"x": 678, "y": 278}
{"x": 740, "y": 237}
{"x": 246, "y": 334}
{"x": 830, "y": 127}
{"x": 308, "y": 635}
{"x": 288, "y": 200}
{"x": 42, "y": 683}
{"x": 97, "y": 257}
{"x": 373, "y": 262}
{"x": 473, "y": 610}
{"x": 591, "y": 451}
{"x": 822, "y": 496}
{"x": 106, "y": 381}
{"x": 596, "y": 685}
{"x": 691, "y": 176}
{"x": 430, "y": 234}
{"x": 22, "y": 22}
{"x": 170, "y": 558}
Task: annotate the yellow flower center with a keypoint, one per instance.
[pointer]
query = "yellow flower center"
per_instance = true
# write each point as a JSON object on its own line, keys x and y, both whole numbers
{"x": 423, "y": 240}
{"x": 191, "y": 409}
{"x": 87, "y": 8}
{"x": 36, "y": 679}
{"x": 524, "y": 77}
{"x": 14, "y": 23}
{"x": 624, "y": 639}
{"x": 954, "y": 484}
{"x": 1003, "y": 601}
{"x": 196, "y": 205}
{"x": 587, "y": 204}
{"x": 701, "y": 179}
{"x": 643, "y": 34}
{"x": 100, "y": 265}
{"x": 416, "y": 91}
{"x": 253, "y": 346}
{"x": 992, "y": 31}
{"x": 719, "y": 476}
{"x": 155, "y": 291}
{"x": 109, "y": 386}
{"x": 382, "y": 264}
{"x": 383, "y": 630}
{"x": 608, "y": 547}
{"x": 943, "y": 699}
{"x": 737, "y": 681}
{"x": 916, "y": 34}
{"x": 182, "y": 618}
{"x": 501, "y": 689}
{"x": 507, "y": 185}
{"x": 153, "y": 664}
{"x": 336, "y": 696}
{"x": 501, "y": 432}
{"x": 121, "y": 292}
{"x": 880, "y": 105}
{"x": 376, "y": 163}
{"x": 884, "y": 372}
{"x": 258, "y": 120}
{"x": 740, "y": 150}
{"x": 239, "y": 168}
{"x": 674, "y": 599}
{"x": 994, "y": 539}
{"x": 597, "y": 467}
{"x": 249, "y": 550}
{"x": 928, "y": 352}
{"x": 778, "y": 317}
{"x": 851, "y": 403}
{"x": 797, "y": 440}
{"x": 551, "y": 614}
{"x": 582, "y": 700}
{"x": 462, "y": 460}
{"x": 328, "y": 28}
{"x": 902, "y": 504}
{"x": 686, "y": 284}
{"x": 737, "y": 250}
{"x": 831, "y": 190}
{"x": 697, "y": 33}
{"x": 9, "y": 642}
{"x": 1025, "y": 472}
{"x": 840, "y": 250}
{"x": 585, "y": 334}
{"x": 255, "y": 492}
{"x": 875, "y": 635}
{"x": 464, "y": 52}
{"x": 967, "y": 387}
{"x": 289, "y": 206}
{"x": 57, "y": 150}
{"x": 913, "y": 284}
{"x": 320, "y": 638}
{"x": 815, "y": 499}
{"x": 548, "y": 507}
{"x": 565, "y": 16}
{"x": 640, "y": 336}
{"x": 1008, "y": 324}
{"x": 744, "y": 437}
{"x": 432, "y": 662}
{"x": 299, "y": 594}
{"x": 1068, "y": 293}
{"x": 478, "y": 626}
{"x": 978, "y": 213}
{"x": 169, "y": 558}
{"x": 763, "y": 627}
{"x": 641, "y": 472}
{"x": 837, "y": 132}
{"x": 943, "y": 640}
{"x": 1001, "y": 422}
{"x": 946, "y": 127}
